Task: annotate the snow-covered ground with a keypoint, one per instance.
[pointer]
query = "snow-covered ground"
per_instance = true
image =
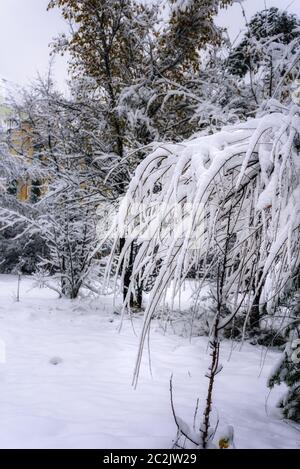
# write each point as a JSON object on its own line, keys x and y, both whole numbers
{"x": 66, "y": 379}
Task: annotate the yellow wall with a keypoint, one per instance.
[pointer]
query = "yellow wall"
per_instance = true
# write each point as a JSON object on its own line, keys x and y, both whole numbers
{"x": 21, "y": 144}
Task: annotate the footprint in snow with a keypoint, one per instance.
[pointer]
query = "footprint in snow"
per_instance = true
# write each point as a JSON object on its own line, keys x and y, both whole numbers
{"x": 55, "y": 360}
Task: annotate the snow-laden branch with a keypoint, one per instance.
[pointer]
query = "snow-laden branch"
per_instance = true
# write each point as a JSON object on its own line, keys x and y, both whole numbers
{"x": 177, "y": 208}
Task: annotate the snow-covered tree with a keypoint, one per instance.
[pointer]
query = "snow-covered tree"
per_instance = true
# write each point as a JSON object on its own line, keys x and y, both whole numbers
{"x": 132, "y": 59}
{"x": 227, "y": 206}
{"x": 268, "y": 55}
{"x": 251, "y": 169}
{"x": 127, "y": 56}
{"x": 64, "y": 182}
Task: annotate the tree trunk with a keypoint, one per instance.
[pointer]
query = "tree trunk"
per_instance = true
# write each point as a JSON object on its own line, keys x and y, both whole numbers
{"x": 136, "y": 299}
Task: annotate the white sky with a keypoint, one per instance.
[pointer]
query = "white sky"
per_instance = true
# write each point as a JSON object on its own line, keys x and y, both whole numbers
{"x": 26, "y": 29}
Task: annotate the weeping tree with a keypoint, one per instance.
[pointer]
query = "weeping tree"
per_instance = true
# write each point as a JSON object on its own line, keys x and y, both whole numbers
{"x": 227, "y": 205}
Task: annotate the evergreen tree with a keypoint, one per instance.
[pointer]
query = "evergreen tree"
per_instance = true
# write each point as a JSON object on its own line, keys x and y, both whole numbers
{"x": 268, "y": 56}
{"x": 288, "y": 369}
{"x": 64, "y": 179}
{"x": 273, "y": 25}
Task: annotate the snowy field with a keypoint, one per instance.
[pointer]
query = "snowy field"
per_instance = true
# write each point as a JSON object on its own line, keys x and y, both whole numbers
{"x": 65, "y": 381}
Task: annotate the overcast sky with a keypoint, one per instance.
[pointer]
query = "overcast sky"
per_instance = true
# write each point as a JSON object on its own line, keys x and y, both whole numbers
{"x": 27, "y": 28}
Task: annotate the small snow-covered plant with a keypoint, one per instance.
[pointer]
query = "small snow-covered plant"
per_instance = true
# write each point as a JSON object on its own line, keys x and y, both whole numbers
{"x": 206, "y": 432}
{"x": 226, "y": 438}
{"x": 41, "y": 276}
{"x": 190, "y": 437}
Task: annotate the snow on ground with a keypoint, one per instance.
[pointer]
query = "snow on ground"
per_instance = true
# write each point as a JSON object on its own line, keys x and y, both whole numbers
{"x": 66, "y": 379}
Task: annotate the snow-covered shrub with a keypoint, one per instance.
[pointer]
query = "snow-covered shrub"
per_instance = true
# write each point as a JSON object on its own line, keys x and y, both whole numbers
{"x": 50, "y": 150}
{"x": 21, "y": 253}
{"x": 287, "y": 370}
